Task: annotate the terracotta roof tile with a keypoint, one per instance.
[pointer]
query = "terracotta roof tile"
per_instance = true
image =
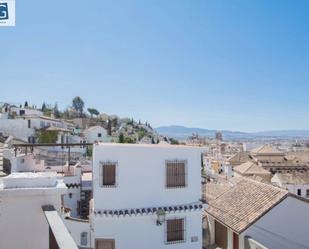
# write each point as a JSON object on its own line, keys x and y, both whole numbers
{"x": 244, "y": 203}
{"x": 251, "y": 168}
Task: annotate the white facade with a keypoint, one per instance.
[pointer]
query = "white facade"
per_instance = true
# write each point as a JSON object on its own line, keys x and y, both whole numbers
{"x": 25, "y": 163}
{"x": 22, "y": 221}
{"x": 24, "y": 127}
{"x": 95, "y": 134}
{"x": 142, "y": 231}
{"x": 297, "y": 189}
{"x": 140, "y": 184}
{"x": 79, "y": 230}
{"x": 20, "y": 111}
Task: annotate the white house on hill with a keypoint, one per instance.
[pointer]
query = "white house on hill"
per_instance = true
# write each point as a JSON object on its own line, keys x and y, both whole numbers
{"x": 95, "y": 134}
{"x": 146, "y": 196}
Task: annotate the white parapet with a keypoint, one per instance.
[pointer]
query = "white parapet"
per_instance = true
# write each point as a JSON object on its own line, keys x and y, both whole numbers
{"x": 30, "y": 180}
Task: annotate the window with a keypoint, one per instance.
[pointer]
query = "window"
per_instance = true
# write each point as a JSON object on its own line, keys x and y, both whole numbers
{"x": 83, "y": 238}
{"x": 29, "y": 123}
{"x": 108, "y": 174}
{"x": 104, "y": 244}
{"x": 299, "y": 192}
{"x": 175, "y": 230}
{"x": 99, "y": 134}
{"x": 175, "y": 174}
{"x": 307, "y": 193}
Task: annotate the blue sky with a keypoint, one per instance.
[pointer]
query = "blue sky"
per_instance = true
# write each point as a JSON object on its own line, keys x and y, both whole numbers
{"x": 238, "y": 65}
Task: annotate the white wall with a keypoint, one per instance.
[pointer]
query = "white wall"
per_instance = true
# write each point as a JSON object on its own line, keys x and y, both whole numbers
{"x": 292, "y": 188}
{"x": 22, "y": 221}
{"x": 75, "y": 228}
{"x": 143, "y": 232}
{"x": 92, "y": 134}
{"x": 26, "y": 163}
{"x": 71, "y": 202}
{"x": 28, "y": 111}
{"x": 141, "y": 179}
{"x": 141, "y": 176}
{"x": 285, "y": 226}
{"x": 17, "y": 128}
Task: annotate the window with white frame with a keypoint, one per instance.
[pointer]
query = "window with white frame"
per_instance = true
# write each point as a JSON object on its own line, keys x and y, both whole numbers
{"x": 175, "y": 231}
{"x": 108, "y": 174}
{"x": 176, "y": 173}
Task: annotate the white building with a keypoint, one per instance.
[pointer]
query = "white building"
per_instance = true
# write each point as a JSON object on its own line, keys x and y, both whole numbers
{"x": 295, "y": 182}
{"x": 22, "y": 111}
{"x": 254, "y": 215}
{"x": 95, "y": 134}
{"x": 77, "y": 198}
{"x": 14, "y": 111}
{"x": 25, "y": 127}
{"x": 23, "y": 222}
{"x": 146, "y": 196}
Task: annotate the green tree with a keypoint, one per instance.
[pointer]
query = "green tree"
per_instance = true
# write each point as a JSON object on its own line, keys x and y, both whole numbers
{"x": 174, "y": 141}
{"x": 93, "y": 111}
{"x": 43, "y": 109}
{"x": 47, "y": 136}
{"x": 121, "y": 138}
{"x": 78, "y": 105}
{"x": 129, "y": 140}
{"x": 26, "y": 104}
{"x": 109, "y": 127}
{"x": 141, "y": 134}
{"x": 56, "y": 111}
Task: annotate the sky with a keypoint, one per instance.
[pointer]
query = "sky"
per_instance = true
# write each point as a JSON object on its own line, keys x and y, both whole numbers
{"x": 218, "y": 64}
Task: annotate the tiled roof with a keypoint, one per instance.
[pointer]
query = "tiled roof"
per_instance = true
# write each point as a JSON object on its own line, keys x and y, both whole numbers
{"x": 213, "y": 190}
{"x": 251, "y": 168}
{"x": 244, "y": 203}
{"x": 302, "y": 156}
{"x": 239, "y": 157}
{"x": 266, "y": 149}
{"x": 294, "y": 177}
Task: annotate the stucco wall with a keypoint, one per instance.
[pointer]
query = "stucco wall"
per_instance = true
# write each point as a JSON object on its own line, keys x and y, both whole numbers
{"x": 141, "y": 176}
{"x": 22, "y": 221}
{"x": 285, "y": 226}
{"x": 76, "y": 228}
{"x": 142, "y": 231}
{"x": 17, "y": 128}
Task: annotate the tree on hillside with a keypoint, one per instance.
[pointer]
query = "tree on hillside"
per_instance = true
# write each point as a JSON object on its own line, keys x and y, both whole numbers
{"x": 43, "y": 109}
{"x": 56, "y": 111}
{"x": 78, "y": 105}
{"x": 121, "y": 138}
{"x": 26, "y": 104}
{"x": 93, "y": 111}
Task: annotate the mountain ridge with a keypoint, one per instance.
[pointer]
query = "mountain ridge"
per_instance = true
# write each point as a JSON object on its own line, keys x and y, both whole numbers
{"x": 179, "y": 131}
